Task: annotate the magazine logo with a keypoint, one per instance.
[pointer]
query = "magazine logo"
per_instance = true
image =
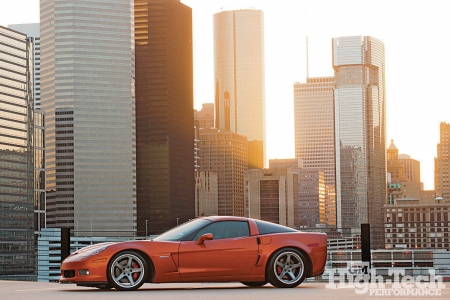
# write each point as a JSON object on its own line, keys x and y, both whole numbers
{"x": 365, "y": 281}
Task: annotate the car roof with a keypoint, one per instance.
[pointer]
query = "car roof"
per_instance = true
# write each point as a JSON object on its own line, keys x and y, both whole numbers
{"x": 225, "y": 218}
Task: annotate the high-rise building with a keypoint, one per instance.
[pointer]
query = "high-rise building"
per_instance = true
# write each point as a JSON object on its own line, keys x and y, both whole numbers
{"x": 32, "y": 31}
{"x": 314, "y": 125}
{"x": 87, "y": 94}
{"x": 360, "y": 132}
{"x": 239, "y": 78}
{"x": 164, "y": 114}
{"x": 33, "y": 35}
{"x": 17, "y": 253}
{"x": 205, "y": 116}
{"x": 314, "y": 141}
{"x": 442, "y": 163}
{"x": 225, "y": 153}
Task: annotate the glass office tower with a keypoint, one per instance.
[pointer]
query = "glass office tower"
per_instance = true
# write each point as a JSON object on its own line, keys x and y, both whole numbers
{"x": 32, "y": 30}
{"x": 87, "y": 83}
{"x": 164, "y": 115}
{"x": 16, "y": 154}
{"x": 360, "y": 130}
{"x": 239, "y": 78}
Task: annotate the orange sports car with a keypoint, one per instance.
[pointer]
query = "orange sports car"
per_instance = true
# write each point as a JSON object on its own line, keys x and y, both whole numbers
{"x": 210, "y": 249}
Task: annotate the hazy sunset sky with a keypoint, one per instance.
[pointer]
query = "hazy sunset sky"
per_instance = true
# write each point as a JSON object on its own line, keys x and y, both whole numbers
{"x": 415, "y": 35}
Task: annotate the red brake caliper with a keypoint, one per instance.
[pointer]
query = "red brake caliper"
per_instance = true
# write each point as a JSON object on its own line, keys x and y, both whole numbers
{"x": 135, "y": 275}
{"x": 279, "y": 270}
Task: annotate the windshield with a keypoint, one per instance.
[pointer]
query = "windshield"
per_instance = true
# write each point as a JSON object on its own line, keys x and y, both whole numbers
{"x": 178, "y": 233}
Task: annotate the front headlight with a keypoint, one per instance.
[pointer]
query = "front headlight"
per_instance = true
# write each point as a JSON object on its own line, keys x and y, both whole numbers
{"x": 93, "y": 252}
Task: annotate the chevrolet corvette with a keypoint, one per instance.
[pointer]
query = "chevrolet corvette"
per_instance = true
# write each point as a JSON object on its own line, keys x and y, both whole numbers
{"x": 208, "y": 249}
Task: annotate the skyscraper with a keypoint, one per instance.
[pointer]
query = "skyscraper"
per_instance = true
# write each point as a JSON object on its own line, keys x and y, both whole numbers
{"x": 314, "y": 125}
{"x": 442, "y": 163}
{"x": 87, "y": 83}
{"x": 17, "y": 253}
{"x": 33, "y": 34}
{"x": 314, "y": 141}
{"x": 360, "y": 130}
{"x": 239, "y": 78}
{"x": 164, "y": 114}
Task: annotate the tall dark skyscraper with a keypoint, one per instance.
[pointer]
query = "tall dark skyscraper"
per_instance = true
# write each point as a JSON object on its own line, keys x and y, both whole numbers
{"x": 164, "y": 114}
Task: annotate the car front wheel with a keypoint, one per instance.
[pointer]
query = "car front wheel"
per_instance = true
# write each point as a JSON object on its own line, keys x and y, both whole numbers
{"x": 287, "y": 268}
{"x": 127, "y": 271}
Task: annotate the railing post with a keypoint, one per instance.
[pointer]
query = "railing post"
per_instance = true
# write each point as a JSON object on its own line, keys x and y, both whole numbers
{"x": 365, "y": 247}
{"x": 65, "y": 243}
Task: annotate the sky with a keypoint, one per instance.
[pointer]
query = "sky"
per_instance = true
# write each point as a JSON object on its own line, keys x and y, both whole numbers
{"x": 416, "y": 38}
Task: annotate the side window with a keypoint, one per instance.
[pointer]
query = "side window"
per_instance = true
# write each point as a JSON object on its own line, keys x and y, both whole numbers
{"x": 225, "y": 230}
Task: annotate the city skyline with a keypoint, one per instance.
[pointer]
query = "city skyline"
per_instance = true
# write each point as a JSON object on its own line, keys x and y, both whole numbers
{"x": 415, "y": 103}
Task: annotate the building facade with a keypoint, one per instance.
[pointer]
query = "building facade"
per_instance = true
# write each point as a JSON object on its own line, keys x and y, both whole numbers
{"x": 312, "y": 192}
{"x": 32, "y": 30}
{"x": 164, "y": 114}
{"x": 315, "y": 200}
{"x": 239, "y": 78}
{"x": 17, "y": 253}
{"x": 314, "y": 143}
{"x": 205, "y": 116}
{"x": 412, "y": 167}
{"x": 395, "y": 167}
{"x": 314, "y": 125}
{"x": 409, "y": 224}
{"x": 271, "y": 195}
{"x": 442, "y": 163}
{"x": 87, "y": 95}
{"x": 206, "y": 194}
{"x": 360, "y": 131}
{"x": 226, "y": 153}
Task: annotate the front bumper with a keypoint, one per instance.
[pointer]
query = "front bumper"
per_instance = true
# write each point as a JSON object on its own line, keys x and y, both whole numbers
{"x": 73, "y": 270}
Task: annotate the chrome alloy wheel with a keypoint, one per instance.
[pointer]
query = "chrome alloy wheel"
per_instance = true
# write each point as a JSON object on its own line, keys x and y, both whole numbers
{"x": 127, "y": 271}
{"x": 288, "y": 267}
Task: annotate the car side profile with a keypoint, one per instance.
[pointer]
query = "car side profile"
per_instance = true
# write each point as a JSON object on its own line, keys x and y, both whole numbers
{"x": 209, "y": 249}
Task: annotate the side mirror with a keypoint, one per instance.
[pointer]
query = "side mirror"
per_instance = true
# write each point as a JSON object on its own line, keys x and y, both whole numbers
{"x": 201, "y": 240}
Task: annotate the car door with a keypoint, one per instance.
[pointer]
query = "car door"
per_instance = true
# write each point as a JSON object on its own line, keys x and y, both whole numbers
{"x": 231, "y": 252}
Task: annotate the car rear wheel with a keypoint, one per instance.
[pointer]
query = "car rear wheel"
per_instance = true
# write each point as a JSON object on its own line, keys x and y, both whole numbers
{"x": 127, "y": 271}
{"x": 254, "y": 283}
{"x": 287, "y": 268}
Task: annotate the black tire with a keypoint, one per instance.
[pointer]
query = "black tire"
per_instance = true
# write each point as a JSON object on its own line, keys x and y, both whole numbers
{"x": 127, "y": 271}
{"x": 104, "y": 286}
{"x": 287, "y": 268}
{"x": 255, "y": 283}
